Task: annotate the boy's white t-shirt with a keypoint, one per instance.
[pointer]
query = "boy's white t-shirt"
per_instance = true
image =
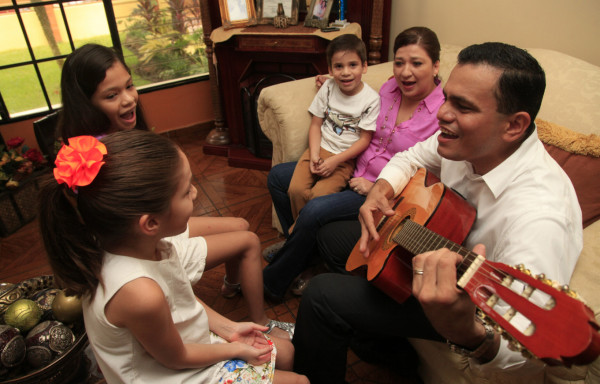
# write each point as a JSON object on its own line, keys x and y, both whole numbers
{"x": 344, "y": 116}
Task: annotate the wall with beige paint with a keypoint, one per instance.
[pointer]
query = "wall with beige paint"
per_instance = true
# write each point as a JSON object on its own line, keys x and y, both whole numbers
{"x": 569, "y": 26}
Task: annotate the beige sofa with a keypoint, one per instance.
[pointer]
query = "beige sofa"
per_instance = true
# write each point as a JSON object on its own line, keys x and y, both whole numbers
{"x": 572, "y": 100}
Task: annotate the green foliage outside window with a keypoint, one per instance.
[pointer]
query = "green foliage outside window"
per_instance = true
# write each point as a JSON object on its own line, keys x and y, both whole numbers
{"x": 167, "y": 42}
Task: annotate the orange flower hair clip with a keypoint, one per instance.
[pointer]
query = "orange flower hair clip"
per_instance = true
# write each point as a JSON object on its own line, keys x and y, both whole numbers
{"x": 78, "y": 163}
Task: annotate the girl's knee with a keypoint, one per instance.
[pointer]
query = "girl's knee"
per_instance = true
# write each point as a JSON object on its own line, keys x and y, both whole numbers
{"x": 241, "y": 224}
{"x": 250, "y": 239}
{"x": 285, "y": 354}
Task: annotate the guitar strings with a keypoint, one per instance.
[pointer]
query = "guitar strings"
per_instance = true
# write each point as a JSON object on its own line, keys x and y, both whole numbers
{"x": 417, "y": 239}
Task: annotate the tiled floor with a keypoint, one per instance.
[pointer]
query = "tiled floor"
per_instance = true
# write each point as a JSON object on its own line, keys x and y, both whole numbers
{"x": 222, "y": 191}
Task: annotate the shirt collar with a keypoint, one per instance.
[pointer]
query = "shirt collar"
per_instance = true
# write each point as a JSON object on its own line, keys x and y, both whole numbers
{"x": 501, "y": 176}
{"x": 434, "y": 100}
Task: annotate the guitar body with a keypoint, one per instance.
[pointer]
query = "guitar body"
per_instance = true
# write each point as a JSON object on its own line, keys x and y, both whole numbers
{"x": 426, "y": 201}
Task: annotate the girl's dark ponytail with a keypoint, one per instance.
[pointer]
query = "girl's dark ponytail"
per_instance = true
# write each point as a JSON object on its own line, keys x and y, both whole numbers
{"x": 74, "y": 254}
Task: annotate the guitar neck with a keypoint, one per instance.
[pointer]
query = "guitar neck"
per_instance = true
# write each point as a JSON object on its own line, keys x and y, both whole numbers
{"x": 417, "y": 239}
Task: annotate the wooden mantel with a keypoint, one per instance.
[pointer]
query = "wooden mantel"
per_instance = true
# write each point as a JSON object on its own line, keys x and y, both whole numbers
{"x": 373, "y": 17}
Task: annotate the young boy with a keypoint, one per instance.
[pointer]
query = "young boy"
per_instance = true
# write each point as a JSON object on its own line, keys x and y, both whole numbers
{"x": 344, "y": 113}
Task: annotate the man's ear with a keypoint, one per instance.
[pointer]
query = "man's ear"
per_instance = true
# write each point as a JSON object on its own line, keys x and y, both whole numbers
{"x": 517, "y": 126}
{"x": 148, "y": 224}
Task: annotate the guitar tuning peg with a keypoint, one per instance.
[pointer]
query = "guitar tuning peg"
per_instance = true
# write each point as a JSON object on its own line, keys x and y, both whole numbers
{"x": 520, "y": 267}
{"x": 565, "y": 288}
{"x": 542, "y": 277}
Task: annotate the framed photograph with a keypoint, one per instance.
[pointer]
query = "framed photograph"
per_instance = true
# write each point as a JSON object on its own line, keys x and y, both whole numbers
{"x": 318, "y": 13}
{"x": 237, "y": 13}
{"x": 267, "y": 10}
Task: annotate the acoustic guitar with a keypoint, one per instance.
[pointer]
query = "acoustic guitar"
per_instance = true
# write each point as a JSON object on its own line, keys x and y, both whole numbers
{"x": 540, "y": 318}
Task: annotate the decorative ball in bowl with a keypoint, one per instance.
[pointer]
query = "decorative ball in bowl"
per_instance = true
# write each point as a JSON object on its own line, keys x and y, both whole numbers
{"x": 35, "y": 345}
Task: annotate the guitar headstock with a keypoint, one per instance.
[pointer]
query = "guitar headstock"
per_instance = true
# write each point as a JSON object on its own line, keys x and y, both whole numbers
{"x": 539, "y": 317}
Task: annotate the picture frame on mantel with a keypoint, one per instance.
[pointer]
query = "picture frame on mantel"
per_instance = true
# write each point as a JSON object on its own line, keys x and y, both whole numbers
{"x": 266, "y": 11}
{"x": 318, "y": 13}
{"x": 237, "y": 13}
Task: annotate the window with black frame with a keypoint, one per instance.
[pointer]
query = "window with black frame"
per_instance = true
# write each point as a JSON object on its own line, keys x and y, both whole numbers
{"x": 161, "y": 41}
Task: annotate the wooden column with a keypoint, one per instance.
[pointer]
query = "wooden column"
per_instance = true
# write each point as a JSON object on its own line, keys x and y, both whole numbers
{"x": 376, "y": 36}
{"x": 374, "y": 18}
{"x": 220, "y": 134}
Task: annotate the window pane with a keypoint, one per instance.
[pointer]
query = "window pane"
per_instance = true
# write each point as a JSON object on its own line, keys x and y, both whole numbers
{"x": 13, "y": 47}
{"x": 51, "y": 71}
{"x": 87, "y": 22}
{"x": 162, "y": 40}
{"x": 21, "y": 90}
{"x": 46, "y": 31}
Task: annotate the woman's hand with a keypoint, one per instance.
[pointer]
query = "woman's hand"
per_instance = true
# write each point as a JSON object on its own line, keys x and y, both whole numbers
{"x": 320, "y": 80}
{"x": 360, "y": 185}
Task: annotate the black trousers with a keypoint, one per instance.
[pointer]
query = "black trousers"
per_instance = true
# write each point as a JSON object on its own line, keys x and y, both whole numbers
{"x": 336, "y": 309}
{"x": 335, "y": 241}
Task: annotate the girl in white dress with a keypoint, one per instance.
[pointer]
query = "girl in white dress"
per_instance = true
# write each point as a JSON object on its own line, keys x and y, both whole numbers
{"x": 114, "y": 221}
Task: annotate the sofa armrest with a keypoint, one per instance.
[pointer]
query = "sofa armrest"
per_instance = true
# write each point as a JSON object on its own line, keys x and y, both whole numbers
{"x": 284, "y": 118}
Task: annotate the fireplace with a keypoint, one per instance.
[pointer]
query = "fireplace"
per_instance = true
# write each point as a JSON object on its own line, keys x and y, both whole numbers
{"x": 257, "y": 143}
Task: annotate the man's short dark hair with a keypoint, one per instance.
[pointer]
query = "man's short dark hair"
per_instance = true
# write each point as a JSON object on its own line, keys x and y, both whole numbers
{"x": 522, "y": 83}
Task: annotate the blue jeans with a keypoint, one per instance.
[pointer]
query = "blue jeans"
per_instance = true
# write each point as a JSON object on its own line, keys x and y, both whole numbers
{"x": 301, "y": 244}
{"x": 278, "y": 182}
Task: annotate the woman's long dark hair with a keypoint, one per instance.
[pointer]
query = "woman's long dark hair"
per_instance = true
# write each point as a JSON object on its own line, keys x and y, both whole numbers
{"x": 82, "y": 71}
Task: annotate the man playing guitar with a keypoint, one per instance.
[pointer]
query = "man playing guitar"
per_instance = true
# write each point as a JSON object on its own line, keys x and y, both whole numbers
{"x": 527, "y": 213}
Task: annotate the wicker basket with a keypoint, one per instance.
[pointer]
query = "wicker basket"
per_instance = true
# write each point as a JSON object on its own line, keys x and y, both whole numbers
{"x": 19, "y": 206}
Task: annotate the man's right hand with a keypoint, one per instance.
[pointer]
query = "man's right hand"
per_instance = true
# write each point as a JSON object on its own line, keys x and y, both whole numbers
{"x": 378, "y": 200}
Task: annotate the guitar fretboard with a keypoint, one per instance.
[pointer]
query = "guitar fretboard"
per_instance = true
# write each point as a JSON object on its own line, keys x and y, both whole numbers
{"x": 417, "y": 239}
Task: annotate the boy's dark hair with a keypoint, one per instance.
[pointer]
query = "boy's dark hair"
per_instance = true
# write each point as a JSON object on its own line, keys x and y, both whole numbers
{"x": 138, "y": 177}
{"x": 82, "y": 71}
{"x": 522, "y": 83}
{"x": 344, "y": 43}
